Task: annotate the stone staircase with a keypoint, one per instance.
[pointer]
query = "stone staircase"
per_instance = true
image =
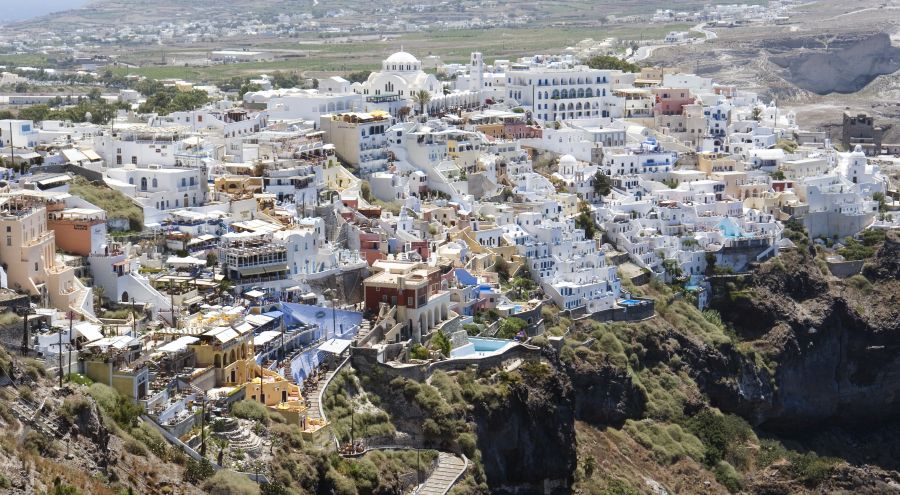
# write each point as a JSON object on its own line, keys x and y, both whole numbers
{"x": 317, "y": 397}
{"x": 240, "y": 438}
{"x": 450, "y": 468}
{"x": 365, "y": 327}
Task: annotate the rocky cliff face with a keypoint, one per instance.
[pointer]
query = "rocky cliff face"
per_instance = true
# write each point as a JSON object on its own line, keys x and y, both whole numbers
{"x": 835, "y": 345}
{"x": 846, "y": 69}
{"x": 528, "y": 443}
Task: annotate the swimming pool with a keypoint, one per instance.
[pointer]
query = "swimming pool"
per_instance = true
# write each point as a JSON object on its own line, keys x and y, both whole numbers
{"x": 630, "y": 302}
{"x": 480, "y": 347}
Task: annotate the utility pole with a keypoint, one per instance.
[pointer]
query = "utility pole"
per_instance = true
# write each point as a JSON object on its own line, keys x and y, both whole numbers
{"x": 12, "y": 153}
{"x": 333, "y": 318}
{"x": 133, "y": 320}
{"x": 71, "y": 319}
{"x": 203, "y": 425}
{"x": 59, "y": 333}
{"x": 172, "y": 305}
{"x": 25, "y": 333}
{"x": 281, "y": 355}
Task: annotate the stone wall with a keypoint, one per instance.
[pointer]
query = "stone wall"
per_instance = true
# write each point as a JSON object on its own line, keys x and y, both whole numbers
{"x": 844, "y": 269}
{"x": 365, "y": 360}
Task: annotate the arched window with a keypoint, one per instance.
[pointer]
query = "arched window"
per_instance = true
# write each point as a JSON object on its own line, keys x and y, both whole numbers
{"x": 143, "y": 183}
{"x": 125, "y": 296}
{"x": 155, "y": 183}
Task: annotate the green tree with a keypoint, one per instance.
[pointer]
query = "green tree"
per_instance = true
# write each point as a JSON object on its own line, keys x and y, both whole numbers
{"x": 360, "y": 76}
{"x": 510, "y": 327}
{"x": 421, "y": 97}
{"x": 585, "y": 220}
{"x": 440, "y": 342}
{"x": 167, "y": 100}
{"x": 602, "y": 184}
{"x": 248, "y": 87}
{"x": 608, "y": 62}
{"x": 35, "y": 113}
{"x": 756, "y": 114}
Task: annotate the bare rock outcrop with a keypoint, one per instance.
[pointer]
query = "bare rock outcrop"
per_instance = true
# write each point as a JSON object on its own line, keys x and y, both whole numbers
{"x": 842, "y": 70}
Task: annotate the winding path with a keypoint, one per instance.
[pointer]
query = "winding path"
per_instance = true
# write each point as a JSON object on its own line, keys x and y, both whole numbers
{"x": 644, "y": 52}
{"x": 450, "y": 468}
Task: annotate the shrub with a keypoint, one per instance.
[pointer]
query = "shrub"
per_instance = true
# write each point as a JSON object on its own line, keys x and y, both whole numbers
{"x": 441, "y": 342}
{"x": 860, "y": 283}
{"x": 135, "y": 447}
{"x": 39, "y": 443}
{"x": 248, "y": 409}
{"x": 74, "y": 406}
{"x": 227, "y": 482}
{"x": 721, "y": 434}
{"x": 472, "y": 329}
{"x": 468, "y": 444}
{"x": 289, "y": 435}
{"x": 728, "y": 477}
{"x": 197, "y": 471}
{"x": 79, "y": 379}
{"x": 34, "y": 368}
{"x": 61, "y": 488}
{"x": 510, "y": 327}
{"x": 418, "y": 351}
{"x": 153, "y": 439}
{"x": 667, "y": 442}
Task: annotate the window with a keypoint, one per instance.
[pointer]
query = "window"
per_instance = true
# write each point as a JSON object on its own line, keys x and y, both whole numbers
{"x": 134, "y": 160}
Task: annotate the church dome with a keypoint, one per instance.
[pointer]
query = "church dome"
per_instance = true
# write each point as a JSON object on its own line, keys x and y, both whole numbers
{"x": 401, "y": 62}
{"x": 402, "y": 58}
{"x": 567, "y": 160}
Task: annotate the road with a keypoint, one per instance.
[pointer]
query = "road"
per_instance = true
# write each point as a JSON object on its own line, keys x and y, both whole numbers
{"x": 645, "y": 52}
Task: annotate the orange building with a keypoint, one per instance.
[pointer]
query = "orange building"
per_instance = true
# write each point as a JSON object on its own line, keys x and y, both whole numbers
{"x": 80, "y": 231}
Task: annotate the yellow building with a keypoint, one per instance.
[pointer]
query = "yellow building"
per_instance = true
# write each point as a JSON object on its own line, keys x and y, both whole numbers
{"x": 28, "y": 255}
{"x": 717, "y": 162}
{"x": 228, "y": 350}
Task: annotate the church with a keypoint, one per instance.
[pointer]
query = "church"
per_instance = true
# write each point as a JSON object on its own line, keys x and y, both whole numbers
{"x": 402, "y": 75}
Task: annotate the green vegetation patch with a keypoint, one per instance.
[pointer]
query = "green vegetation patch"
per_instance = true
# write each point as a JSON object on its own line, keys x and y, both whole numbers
{"x": 115, "y": 203}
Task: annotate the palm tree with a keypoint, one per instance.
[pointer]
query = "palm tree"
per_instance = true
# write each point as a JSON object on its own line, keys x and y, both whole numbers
{"x": 98, "y": 291}
{"x": 421, "y": 98}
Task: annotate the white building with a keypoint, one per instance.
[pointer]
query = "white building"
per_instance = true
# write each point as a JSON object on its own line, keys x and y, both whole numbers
{"x": 565, "y": 94}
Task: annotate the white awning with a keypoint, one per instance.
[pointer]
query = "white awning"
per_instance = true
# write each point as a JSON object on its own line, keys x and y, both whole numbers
{"x": 335, "y": 346}
{"x": 265, "y": 337}
{"x": 257, "y": 320}
{"x": 179, "y": 344}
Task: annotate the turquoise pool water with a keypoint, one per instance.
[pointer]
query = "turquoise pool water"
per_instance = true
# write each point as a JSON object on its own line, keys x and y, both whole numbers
{"x": 629, "y": 302}
{"x": 480, "y": 347}
{"x": 487, "y": 345}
